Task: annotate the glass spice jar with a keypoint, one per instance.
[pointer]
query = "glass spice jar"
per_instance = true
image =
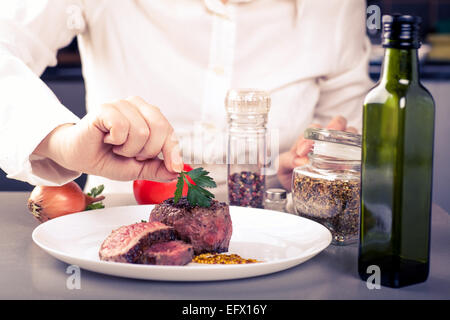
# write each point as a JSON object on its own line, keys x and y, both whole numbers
{"x": 327, "y": 188}
{"x": 276, "y": 199}
{"x": 247, "y": 111}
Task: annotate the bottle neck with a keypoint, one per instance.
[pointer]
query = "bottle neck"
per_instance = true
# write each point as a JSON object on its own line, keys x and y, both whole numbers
{"x": 400, "y": 66}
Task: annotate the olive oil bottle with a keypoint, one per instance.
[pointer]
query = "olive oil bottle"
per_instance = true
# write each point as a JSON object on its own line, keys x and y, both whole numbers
{"x": 397, "y": 163}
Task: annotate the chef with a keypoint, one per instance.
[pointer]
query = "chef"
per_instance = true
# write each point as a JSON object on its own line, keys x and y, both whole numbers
{"x": 156, "y": 71}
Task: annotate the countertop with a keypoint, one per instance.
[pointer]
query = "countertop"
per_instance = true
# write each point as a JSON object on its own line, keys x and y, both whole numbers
{"x": 27, "y": 272}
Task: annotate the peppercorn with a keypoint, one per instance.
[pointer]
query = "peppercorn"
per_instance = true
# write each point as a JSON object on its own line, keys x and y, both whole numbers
{"x": 246, "y": 189}
{"x": 333, "y": 203}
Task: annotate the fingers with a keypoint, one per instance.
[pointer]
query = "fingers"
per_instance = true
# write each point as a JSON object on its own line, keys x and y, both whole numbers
{"x": 159, "y": 128}
{"x": 287, "y": 162}
{"x": 139, "y": 130}
{"x": 156, "y": 170}
{"x": 124, "y": 169}
{"x": 162, "y": 137}
{"x": 171, "y": 153}
{"x": 110, "y": 121}
{"x": 297, "y": 155}
{"x": 352, "y": 130}
{"x": 338, "y": 123}
{"x": 303, "y": 146}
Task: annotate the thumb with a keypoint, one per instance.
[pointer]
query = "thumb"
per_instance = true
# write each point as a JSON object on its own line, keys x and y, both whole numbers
{"x": 156, "y": 170}
{"x": 303, "y": 146}
{"x": 288, "y": 161}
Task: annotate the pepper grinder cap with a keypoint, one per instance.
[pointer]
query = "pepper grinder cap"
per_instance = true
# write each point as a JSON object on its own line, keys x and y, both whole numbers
{"x": 276, "y": 194}
{"x": 247, "y": 101}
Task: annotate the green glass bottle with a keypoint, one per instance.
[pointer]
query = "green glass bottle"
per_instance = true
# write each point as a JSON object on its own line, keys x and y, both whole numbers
{"x": 397, "y": 163}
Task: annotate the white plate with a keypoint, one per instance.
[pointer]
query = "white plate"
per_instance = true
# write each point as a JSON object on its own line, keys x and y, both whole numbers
{"x": 281, "y": 240}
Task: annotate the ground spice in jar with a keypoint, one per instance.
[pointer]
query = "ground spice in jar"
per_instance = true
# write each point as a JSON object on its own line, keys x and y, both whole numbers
{"x": 221, "y": 258}
{"x": 246, "y": 189}
{"x": 333, "y": 203}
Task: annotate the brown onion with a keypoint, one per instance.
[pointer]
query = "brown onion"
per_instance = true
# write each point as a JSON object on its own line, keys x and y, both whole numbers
{"x": 47, "y": 202}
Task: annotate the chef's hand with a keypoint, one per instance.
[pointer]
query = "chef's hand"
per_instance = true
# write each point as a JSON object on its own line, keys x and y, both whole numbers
{"x": 298, "y": 154}
{"x": 120, "y": 141}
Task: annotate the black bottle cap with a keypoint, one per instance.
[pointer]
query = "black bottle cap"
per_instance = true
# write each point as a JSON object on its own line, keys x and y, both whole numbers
{"x": 401, "y": 31}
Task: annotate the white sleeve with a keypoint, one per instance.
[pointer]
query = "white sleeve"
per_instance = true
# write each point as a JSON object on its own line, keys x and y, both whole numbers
{"x": 31, "y": 32}
{"x": 342, "y": 92}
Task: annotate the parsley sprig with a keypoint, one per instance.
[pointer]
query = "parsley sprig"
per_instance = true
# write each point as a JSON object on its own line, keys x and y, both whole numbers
{"x": 95, "y": 192}
{"x": 197, "y": 194}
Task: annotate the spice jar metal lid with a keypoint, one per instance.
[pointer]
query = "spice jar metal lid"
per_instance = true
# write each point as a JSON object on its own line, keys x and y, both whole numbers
{"x": 247, "y": 101}
{"x": 334, "y": 143}
{"x": 276, "y": 194}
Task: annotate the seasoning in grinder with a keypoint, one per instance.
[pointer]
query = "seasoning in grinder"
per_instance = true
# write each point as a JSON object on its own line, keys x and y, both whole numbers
{"x": 247, "y": 146}
{"x": 246, "y": 189}
{"x": 333, "y": 203}
{"x": 327, "y": 188}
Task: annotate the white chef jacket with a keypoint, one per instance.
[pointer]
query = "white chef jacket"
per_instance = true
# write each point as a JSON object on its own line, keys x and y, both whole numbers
{"x": 182, "y": 56}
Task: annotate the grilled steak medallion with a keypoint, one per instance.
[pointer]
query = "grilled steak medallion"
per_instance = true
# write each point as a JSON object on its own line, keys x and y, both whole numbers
{"x": 127, "y": 243}
{"x": 175, "y": 253}
{"x": 207, "y": 229}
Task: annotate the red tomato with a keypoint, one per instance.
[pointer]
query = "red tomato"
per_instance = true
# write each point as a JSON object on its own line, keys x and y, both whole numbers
{"x": 151, "y": 192}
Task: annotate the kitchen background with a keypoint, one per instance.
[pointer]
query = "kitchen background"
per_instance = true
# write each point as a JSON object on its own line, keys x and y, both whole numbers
{"x": 66, "y": 81}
